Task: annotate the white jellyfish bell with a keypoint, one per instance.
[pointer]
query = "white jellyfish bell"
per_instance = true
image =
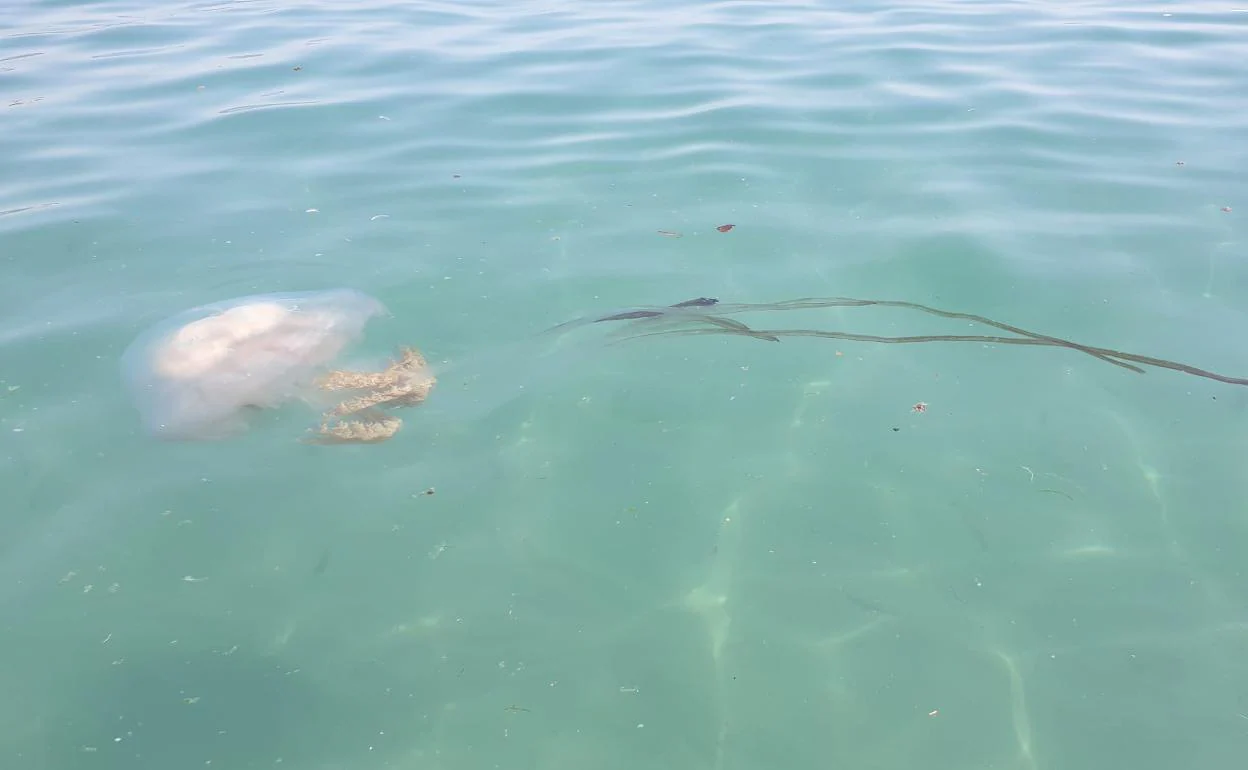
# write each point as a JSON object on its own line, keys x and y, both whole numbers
{"x": 195, "y": 376}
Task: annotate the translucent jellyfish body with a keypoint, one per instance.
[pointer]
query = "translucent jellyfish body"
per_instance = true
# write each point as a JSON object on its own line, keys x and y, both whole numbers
{"x": 196, "y": 375}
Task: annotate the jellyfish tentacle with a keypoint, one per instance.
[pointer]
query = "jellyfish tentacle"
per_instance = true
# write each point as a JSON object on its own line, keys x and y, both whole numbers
{"x": 405, "y": 382}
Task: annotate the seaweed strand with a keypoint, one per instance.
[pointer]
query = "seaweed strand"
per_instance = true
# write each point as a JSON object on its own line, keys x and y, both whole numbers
{"x": 1119, "y": 358}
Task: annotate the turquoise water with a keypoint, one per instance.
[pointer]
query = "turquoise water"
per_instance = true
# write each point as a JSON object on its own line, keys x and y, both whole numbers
{"x": 679, "y": 552}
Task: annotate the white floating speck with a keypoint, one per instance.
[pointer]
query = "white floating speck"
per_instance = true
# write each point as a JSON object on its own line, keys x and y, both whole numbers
{"x": 378, "y": 216}
{"x": 312, "y": 211}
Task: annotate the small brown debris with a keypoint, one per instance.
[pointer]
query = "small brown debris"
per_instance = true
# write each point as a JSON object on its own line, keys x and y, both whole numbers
{"x": 919, "y": 407}
{"x": 1227, "y": 209}
{"x": 428, "y": 491}
{"x": 725, "y": 228}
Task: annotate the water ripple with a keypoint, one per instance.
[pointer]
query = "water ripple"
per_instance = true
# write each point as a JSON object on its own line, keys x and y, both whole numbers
{"x": 491, "y": 168}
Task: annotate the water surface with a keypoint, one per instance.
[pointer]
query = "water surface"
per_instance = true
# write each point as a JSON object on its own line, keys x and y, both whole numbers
{"x": 696, "y": 552}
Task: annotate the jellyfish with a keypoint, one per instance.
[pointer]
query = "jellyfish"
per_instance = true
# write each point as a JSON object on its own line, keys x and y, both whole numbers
{"x": 200, "y": 374}
{"x": 362, "y": 418}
